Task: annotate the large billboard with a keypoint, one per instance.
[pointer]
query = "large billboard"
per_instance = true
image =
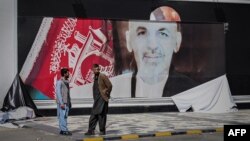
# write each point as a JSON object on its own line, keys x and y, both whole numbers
{"x": 149, "y": 59}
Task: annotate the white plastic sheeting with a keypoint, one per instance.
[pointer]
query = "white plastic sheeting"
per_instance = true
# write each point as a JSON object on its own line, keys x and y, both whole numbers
{"x": 212, "y": 97}
{"x": 17, "y": 114}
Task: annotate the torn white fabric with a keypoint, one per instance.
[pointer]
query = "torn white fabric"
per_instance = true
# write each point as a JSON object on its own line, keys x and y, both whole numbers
{"x": 212, "y": 97}
{"x": 23, "y": 112}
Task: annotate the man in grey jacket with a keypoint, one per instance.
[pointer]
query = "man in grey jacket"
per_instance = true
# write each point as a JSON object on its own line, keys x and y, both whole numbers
{"x": 63, "y": 101}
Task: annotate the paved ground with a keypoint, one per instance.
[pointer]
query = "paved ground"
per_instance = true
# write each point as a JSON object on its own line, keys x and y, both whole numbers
{"x": 200, "y": 137}
{"x": 29, "y": 134}
{"x": 138, "y": 125}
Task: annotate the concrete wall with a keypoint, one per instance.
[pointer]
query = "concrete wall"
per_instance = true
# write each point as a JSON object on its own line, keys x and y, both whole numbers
{"x": 8, "y": 45}
{"x": 8, "y": 39}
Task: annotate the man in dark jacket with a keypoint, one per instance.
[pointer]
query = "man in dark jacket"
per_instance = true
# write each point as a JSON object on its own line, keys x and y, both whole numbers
{"x": 101, "y": 94}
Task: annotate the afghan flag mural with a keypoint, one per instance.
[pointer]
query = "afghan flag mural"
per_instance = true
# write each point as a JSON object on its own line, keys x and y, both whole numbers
{"x": 72, "y": 43}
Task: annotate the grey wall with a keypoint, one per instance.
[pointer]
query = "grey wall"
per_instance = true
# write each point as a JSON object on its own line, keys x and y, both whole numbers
{"x": 8, "y": 45}
{"x": 130, "y": 8}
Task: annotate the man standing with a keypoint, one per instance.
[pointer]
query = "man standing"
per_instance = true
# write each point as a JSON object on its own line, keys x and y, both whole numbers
{"x": 101, "y": 94}
{"x": 63, "y": 101}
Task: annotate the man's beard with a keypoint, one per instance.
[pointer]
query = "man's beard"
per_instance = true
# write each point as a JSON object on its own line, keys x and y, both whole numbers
{"x": 66, "y": 77}
{"x": 152, "y": 74}
{"x": 97, "y": 74}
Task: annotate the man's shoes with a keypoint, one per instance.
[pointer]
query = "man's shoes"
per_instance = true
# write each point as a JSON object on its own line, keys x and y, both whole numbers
{"x": 66, "y": 133}
{"x": 102, "y": 133}
{"x": 90, "y": 133}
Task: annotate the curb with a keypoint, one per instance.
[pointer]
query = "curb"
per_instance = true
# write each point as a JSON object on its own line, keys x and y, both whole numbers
{"x": 156, "y": 134}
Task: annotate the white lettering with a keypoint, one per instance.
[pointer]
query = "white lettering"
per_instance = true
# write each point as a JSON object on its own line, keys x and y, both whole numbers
{"x": 231, "y": 132}
{"x": 60, "y": 45}
{"x": 237, "y": 131}
{"x": 243, "y": 131}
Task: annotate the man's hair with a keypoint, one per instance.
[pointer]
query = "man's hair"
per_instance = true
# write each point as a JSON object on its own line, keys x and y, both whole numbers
{"x": 64, "y": 71}
{"x": 95, "y": 65}
{"x": 168, "y": 14}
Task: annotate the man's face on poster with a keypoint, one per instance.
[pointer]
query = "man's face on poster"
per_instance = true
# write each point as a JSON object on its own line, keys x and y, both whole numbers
{"x": 153, "y": 44}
